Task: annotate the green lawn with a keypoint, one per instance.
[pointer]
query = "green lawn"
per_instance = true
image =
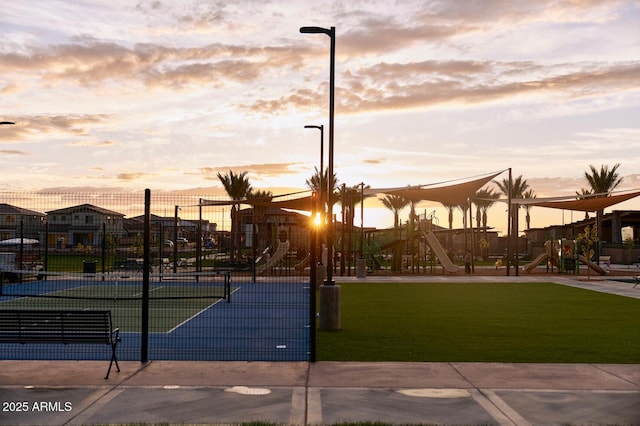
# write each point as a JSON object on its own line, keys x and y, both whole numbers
{"x": 466, "y": 322}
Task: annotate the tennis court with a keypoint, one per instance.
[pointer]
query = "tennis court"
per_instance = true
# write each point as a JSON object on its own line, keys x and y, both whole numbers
{"x": 191, "y": 316}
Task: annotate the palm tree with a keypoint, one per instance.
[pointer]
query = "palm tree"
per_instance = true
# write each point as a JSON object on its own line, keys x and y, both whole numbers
{"x": 237, "y": 187}
{"x": 528, "y": 194}
{"x": 518, "y": 187}
{"x": 395, "y": 203}
{"x": 450, "y": 208}
{"x": 583, "y": 194}
{"x": 602, "y": 182}
{"x": 318, "y": 182}
{"x": 484, "y": 199}
{"x": 349, "y": 198}
{"x": 259, "y": 199}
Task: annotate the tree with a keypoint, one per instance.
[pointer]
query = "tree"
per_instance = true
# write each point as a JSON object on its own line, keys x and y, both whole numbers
{"x": 318, "y": 182}
{"x": 529, "y": 194}
{"x": 518, "y": 187}
{"x": 450, "y": 208}
{"x": 628, "y": 245}
{"x": 395, "y": 203}
{"x": 349, "y": 199}
{"x": 583, "y": 194}
{"x": 587, "y": 240}
{"x": 464, "y": 208}
{"x": 602, "y": 182}
{"x": 484, "y": 199}
{"x": 260, "y": 199}
{"x": 237, "y": 187}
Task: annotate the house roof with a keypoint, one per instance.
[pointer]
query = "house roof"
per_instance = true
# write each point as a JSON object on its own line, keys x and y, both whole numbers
{"x": 85, "y": 207}
{"x": 9, "y": 209}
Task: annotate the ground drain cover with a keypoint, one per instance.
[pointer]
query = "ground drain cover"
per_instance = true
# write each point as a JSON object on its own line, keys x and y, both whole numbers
{"x": 435, "y": 393}
{"x": 244, "y": 390}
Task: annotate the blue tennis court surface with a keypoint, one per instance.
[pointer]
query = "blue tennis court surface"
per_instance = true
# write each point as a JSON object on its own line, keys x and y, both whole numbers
{"x": 267, "y": 320}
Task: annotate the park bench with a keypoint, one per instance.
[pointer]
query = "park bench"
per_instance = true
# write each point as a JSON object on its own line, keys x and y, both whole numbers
{"x": 60, "y": 326}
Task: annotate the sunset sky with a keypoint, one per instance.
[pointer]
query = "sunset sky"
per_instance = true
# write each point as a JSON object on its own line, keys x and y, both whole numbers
{"x": 123, "y": 95}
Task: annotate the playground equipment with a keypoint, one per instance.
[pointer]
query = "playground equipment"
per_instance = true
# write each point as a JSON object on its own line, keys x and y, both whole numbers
{"x": 440, "y": 252}
{"x": 303, "y": 263}
{"x": 543, "y": 257}
{"x": 562, "y": 255}
{"x": 278, "y": 255}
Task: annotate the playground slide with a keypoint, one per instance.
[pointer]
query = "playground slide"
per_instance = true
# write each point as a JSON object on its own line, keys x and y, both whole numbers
{"x": 592, "y": 265}
{"x": 279, "y": 254}
{"x": 435, "y": 245}
{"x": 538, "y": 260}
{"x": 303, "y": 263}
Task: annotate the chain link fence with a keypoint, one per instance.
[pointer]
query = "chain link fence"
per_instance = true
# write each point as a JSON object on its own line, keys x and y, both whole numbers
{"x": 185, "y": 277}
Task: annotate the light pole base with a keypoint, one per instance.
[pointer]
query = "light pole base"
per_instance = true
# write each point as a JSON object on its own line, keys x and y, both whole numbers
{"x": 329, "y": 307}
{"x": 361, "y": 268}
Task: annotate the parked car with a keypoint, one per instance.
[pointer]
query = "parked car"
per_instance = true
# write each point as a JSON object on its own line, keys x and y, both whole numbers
{"x": 13, "y": 269}
{"x": 182, "y": 240}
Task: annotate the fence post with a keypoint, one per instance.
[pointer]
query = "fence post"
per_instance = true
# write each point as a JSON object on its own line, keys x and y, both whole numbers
{"x": 146, "y": 265}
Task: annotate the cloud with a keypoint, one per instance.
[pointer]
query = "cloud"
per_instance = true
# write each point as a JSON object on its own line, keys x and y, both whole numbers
{"x": 93, "y": 143}
{"x": 261, "y": 170}
{"x": 380, "y": 35}
{"x": 393, "y": 86}
{"x": 13, "y": 152}
{"x": 374, "y": 161}
{"x": 91, "y": 62}
{"x": 131, "y": 176}
{"x": 35, "y": 126}
{"x": 513, "y": 12}
{"x": 6, "y": 89}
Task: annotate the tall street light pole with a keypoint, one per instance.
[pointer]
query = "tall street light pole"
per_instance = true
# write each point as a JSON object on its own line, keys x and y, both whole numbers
{"x": 332, "y": 296}
{"x": 331, "y": 32}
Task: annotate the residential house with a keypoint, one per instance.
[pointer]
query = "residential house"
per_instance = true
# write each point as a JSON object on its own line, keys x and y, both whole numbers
{"x": 83, "y": 225}
{"x": 16, "y": 221}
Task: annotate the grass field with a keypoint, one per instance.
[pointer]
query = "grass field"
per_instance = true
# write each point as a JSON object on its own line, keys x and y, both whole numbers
{"x": 170, "y": 305}
{"x": 466, "y": 322}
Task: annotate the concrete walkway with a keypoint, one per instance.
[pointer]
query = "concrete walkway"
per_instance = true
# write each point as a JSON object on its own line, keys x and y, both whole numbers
{"x": 74, "y": 392}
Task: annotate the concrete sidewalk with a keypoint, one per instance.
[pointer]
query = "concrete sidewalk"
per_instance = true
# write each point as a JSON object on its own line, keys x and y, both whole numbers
{"x": 299, "y": 393}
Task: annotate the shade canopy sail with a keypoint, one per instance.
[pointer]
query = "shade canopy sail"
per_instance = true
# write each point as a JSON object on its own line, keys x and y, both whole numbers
{"x": 447, "y": 194}
{"x": 584, "y": 203}
{"x": 18, "y": 241}
{"x": 301, "y": 204}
